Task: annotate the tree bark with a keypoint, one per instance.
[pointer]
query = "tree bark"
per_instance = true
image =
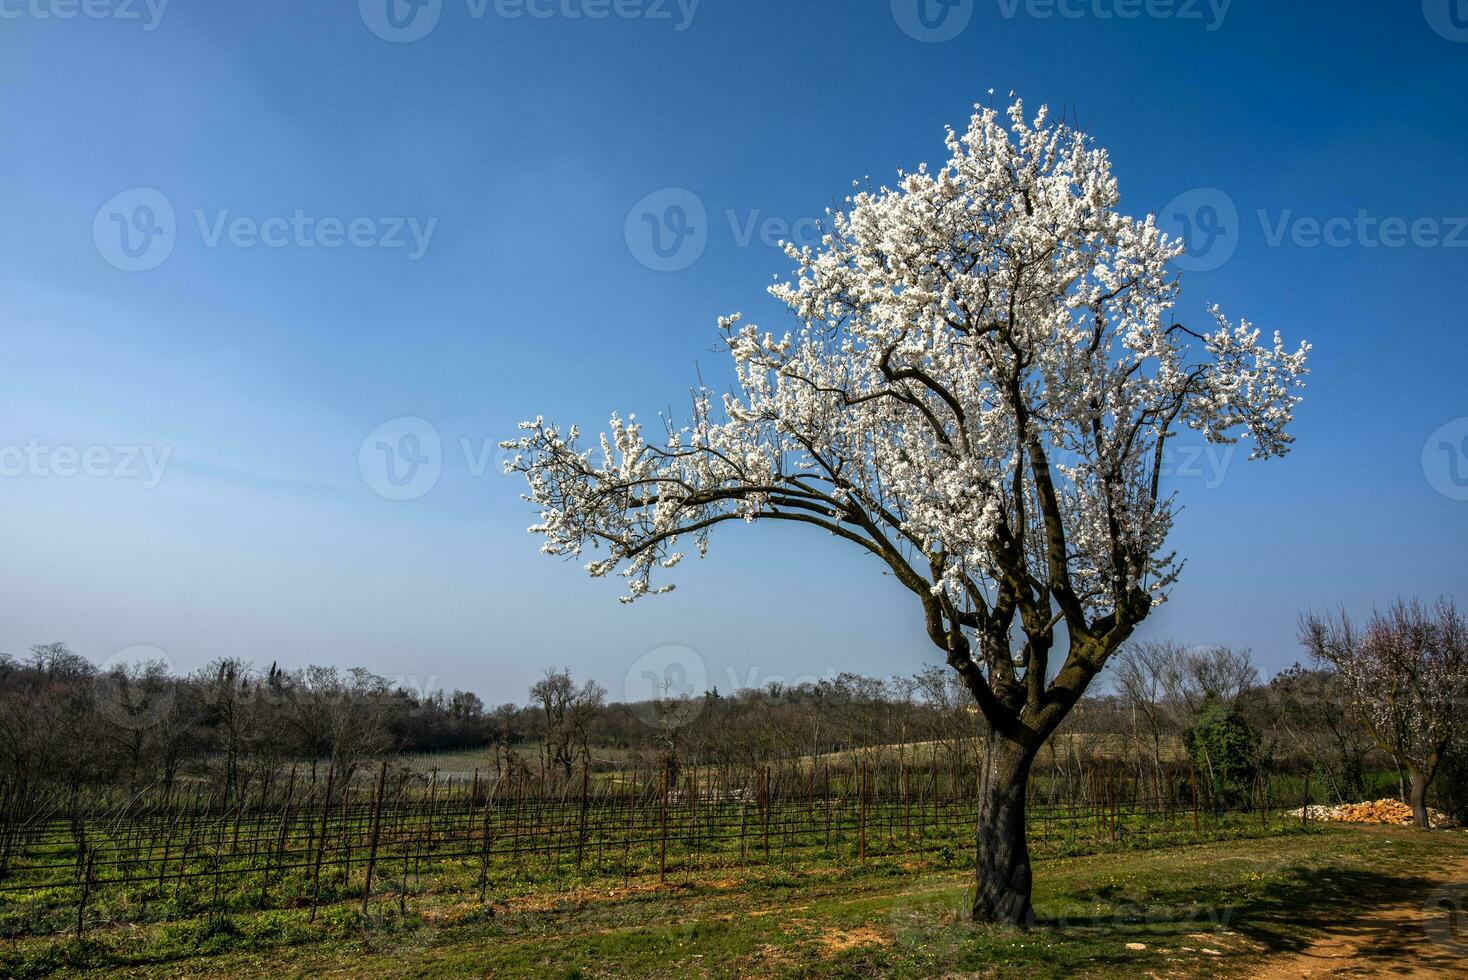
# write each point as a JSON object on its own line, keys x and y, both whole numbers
{"x": 1002, "y": 887}
{"x": 1418, "y": 798}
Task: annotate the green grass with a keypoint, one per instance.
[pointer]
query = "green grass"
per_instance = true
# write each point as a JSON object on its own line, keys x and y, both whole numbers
{"x": 534, "y": 852}
{"x": 1245, "y": 900}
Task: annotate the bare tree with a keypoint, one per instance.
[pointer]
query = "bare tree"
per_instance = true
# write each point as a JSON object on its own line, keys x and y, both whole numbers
{"x": 1143, "y": 671}
{"x": 1213, "y": 672}
{"x": 569, "y": 711}
{"x": 133, "y": 700}
{"x": 48, "y": 730}
{"x": 357, "y": 716}
{"x": 1313, "y": 713}
{"x": 225, "y": 689}
{"x": 1190, "y": 676}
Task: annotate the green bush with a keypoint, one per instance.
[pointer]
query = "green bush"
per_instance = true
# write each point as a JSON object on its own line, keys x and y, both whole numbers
{"x": 1224, "y": 748}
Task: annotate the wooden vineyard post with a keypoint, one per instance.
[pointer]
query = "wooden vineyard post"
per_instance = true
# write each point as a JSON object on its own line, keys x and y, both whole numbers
{"x": 376, "y": 833}
{"x": 692, "y": 843}
{"x": 1193, "y": 778}
{"x": 285, "y": 816}
{"x": 81, "y": 906}
{"x": 403, "y": 817}
{"x": 663, "y": 824}
{"x": 428, "y": 819}
{"x": 1114, "y": 809}
{"x": 634, "y": 802}
{"x": 321, "y": 844}
{"x": 906, "y": 802}
{"x": 1305, "y": 804}
{"x": 764, "y": 807}
{"x": 743, "y": 820}
{"x": 345, "y": 827}
{"x": 810, "y": 797}
{"x": 1259, "y": 793}
{"x": 933, "y": 786}
{"x": 517, "y": 785}
{"x": 581, "y": 829}
{"x": 484, "y": 840}
{"x": 826, "y": 800}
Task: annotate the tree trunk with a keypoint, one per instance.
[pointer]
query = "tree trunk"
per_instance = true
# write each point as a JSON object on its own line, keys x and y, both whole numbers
{"x": 1002, "y": 892}
{"x": 1418, "y": 798}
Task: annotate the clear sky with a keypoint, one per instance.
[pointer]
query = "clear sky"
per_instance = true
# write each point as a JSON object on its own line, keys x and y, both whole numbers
{"x": 237, "y": 238}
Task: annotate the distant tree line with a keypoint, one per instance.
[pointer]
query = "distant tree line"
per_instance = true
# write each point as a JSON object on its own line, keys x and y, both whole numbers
{"x": 66, "y": 723}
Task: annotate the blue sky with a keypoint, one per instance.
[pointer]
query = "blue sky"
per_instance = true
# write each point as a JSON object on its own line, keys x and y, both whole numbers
{"x": 518, "y": 147}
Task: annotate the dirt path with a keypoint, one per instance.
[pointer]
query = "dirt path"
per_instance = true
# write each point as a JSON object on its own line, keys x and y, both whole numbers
{"x": 1423, "y": 937}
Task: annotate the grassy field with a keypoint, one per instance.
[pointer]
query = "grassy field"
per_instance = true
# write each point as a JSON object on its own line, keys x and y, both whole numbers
{"x": 1221, "y": 908}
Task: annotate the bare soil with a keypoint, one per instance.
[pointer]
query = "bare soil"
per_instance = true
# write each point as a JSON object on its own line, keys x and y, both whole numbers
{"x": 1426, "y": 936}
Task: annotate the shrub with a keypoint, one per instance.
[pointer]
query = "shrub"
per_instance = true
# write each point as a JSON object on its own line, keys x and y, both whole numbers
{"x": 1224, "y": 748}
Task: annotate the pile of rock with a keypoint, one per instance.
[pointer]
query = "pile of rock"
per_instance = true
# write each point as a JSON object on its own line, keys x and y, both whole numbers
{"x": 1317, "y": 811}
{"x": 1378, "y": 811}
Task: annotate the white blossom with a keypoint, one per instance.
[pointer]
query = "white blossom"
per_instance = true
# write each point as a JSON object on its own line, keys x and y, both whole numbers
{"x": 983, "y": 375}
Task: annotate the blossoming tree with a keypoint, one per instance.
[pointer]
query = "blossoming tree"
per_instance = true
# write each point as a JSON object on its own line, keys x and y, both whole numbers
{"x": 1406, "y": 677}
{"x": 979, "y": 394}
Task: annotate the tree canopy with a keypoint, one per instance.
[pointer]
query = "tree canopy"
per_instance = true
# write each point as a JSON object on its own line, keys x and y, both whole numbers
{"x": 984, "y": 377}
